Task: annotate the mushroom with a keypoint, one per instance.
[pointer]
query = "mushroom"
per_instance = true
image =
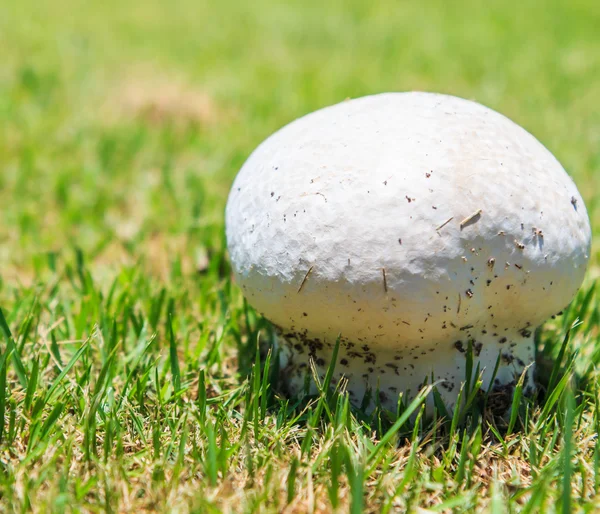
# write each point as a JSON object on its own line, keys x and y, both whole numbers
{"x": 414, "y": 226}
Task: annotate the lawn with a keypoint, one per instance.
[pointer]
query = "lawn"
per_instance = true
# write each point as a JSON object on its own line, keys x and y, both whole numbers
{"x": 129, "y": 373}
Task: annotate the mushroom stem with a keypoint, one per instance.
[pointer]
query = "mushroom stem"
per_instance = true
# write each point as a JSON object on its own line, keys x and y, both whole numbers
{"x": 389, "y": 373}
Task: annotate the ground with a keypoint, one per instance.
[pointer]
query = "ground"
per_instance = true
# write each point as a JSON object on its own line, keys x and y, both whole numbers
{"x": 129, "y": 376}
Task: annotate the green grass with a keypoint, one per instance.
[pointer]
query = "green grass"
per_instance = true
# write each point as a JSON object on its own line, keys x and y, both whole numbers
{"x": 130, "y": 376}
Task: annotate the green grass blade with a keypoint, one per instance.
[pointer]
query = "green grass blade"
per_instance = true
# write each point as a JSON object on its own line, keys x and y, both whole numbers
{"x": 3, "y": 358}
{"x": 516, "y": 401}
{"x": 567, "y": 468}
{"x": 58, "y": 380}
{"x": 11, "y": 347}
{"x": 558, "y": 362}
{"x": 391, "y": 433}
{"x": 173, "y": 357}
{"x": 31, "y": 386}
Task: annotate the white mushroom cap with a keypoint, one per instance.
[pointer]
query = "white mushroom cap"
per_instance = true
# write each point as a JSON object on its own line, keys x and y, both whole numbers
{"x": 411, "y": 224}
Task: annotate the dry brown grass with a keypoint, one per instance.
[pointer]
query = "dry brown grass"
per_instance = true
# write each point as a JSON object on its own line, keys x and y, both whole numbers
{"x": 157, "y": 97}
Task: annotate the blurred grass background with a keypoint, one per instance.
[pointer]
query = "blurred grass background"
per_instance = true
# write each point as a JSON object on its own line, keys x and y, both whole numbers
{"x": 121, "y": 122}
